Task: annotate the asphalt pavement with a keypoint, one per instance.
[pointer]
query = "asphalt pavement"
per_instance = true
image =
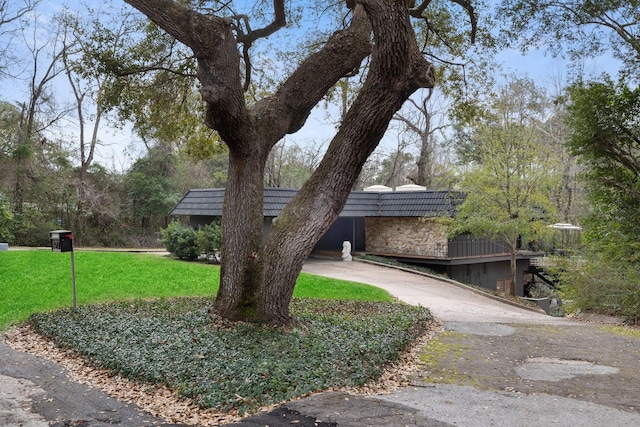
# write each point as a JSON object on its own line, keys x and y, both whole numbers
{"x": 502, "y": 365}
{"x": 497, "y": 365}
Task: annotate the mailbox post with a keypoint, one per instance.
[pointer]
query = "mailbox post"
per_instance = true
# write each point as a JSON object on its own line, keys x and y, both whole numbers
{"x": 62, "y": 241}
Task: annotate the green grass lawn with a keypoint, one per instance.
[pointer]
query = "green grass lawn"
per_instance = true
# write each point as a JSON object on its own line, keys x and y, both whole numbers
{"x": 40, "y": 280}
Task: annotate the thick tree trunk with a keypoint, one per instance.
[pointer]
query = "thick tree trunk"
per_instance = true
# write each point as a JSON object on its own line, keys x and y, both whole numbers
{"x": 424, "y": 161}
{"x": 241, "y": 272}
{"x": 257, "y": 280}
{"x": 397, "y": 70}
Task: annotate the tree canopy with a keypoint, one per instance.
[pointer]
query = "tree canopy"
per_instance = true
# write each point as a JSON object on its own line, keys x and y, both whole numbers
{"x": 606, "y": 137}
{"x": 580, "y": 28}
{"x": 508, "y": 186}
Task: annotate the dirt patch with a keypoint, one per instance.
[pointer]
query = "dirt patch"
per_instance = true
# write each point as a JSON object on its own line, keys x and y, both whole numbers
{"x": 586, "y": 362}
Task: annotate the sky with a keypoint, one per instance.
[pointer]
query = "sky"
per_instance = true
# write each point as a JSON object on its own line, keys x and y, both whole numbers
{"x": 117, "y": 152}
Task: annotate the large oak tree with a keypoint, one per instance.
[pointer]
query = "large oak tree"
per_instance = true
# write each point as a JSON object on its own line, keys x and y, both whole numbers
{"x": 258, "y": 277}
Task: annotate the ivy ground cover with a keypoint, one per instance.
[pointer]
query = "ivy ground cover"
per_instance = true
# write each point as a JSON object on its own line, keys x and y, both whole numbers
{"x": 238, "y": 367}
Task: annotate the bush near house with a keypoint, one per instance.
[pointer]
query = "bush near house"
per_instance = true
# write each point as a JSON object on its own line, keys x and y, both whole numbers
{"x": 209, "y": 239}
{"x": 185, "y": 242}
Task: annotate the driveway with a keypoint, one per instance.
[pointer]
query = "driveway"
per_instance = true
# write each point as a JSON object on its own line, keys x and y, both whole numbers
{"x": 447, "y": 301}
{"x": 493, "y": 365}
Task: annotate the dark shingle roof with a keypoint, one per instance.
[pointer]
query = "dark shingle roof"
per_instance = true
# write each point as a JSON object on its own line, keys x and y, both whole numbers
{"x": 419, "y": 203}
{"x": 275, "y": 199}
{"x": 359, "y": 204}
{"x": 206, "y": 202}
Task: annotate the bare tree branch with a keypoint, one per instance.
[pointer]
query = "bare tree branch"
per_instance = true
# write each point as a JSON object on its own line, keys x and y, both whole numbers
{"x": 7, "y": 17}
{"x": 138, "y": 70}
{"x": 418, "y": 12}
{"x": 279, "y": 21}
{"x": 253, "y": 35}
{"x": 473, "y": 17}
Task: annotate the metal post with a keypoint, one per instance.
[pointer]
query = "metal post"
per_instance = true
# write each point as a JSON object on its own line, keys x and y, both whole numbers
{"x": 73, "y": 279}
{"x": 62, "y": 241}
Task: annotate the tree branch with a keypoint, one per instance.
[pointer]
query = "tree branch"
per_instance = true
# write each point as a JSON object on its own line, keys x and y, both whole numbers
{"x": 279, "y": 21}
{"x": 251, "y": 36}
{"x": 138, "y": 70}
{"x": 5, "y": 18}
{"x": 287, "y": 110}
{"x": 195, "y": 30}
{"x": 473, "y": 18}
{"x": 418, "y": 12}
{"x": 215, "y": 47}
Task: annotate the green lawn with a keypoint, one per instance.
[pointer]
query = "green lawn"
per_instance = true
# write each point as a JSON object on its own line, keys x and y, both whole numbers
{"x": 40, "y": 280}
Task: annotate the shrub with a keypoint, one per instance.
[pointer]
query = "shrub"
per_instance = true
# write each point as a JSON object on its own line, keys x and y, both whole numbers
{"x": 180, "y": 240}
{"x": 603, "y": 286}
{"x": 185, "y": 242}
{"x": 539, "y": 290}
{"x": 6, "y": 221}
{"x": 209, "y": 239}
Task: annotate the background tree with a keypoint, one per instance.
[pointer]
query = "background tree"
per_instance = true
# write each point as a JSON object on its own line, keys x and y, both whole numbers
{"x": 580, "y": 28}
{"x": 395, "y": 168}
{"x": 62, "y": 87}
{"x": 152, "y": 190}
{"x": 11, "y": 14}
{"x": 9, "y": 120}
{"x": 7, "y": 226}
{"x": 291, "y": 166}
{"x": 606, "y": 138}
{"x": 569, "y": 195}
{"x": 422, "y": 122}
{"x": 602, "y": 137}
{"x": 257, "y": 280}
{"x": 32, "y": 148}
{"x": 87, "y": 85}
{"x": 508, "y": 186}
{"x": 603, "y": 117}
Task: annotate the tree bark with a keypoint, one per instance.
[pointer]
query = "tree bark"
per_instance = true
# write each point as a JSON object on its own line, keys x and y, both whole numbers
{"x": 513, "y": 265}
{"x": 397, "y": 70}
{"x": 257, "y": 280}
{"x": 241, "y": 270}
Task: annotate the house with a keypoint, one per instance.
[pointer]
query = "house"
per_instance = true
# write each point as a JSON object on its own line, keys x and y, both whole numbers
{"x": 404, "y": 224}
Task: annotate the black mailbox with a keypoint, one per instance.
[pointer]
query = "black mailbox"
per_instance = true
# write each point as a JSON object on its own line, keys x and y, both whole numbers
{"x": 61, "y": 240}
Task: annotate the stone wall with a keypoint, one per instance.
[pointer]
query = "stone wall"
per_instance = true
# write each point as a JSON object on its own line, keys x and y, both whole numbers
{"x": 406, "y": 236}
